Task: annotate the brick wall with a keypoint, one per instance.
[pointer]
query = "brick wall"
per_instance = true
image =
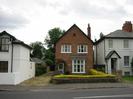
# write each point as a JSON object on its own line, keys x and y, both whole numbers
{"x": 74, "y": 36}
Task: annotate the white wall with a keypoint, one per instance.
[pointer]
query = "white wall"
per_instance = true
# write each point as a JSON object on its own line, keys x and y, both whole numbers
{"x": 22, "y": 64}
{"x": 118, "y": 47}
{"x": 23, "y": 69}
{"x": 100, "y": 53}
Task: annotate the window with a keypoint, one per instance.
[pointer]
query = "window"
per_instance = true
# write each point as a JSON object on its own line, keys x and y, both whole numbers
{"x": 66, "y": 49}
{"x": 4, "y": 45}
{"x": 110, "y": 43}
{"x": 3, "y": 66}
{"x": 126, "y": 44}
{"x": 82, "y": 49}
{"x": 126, "y": 60}
{"x": 78, "y": 66}
{"x": 126, "y": 73}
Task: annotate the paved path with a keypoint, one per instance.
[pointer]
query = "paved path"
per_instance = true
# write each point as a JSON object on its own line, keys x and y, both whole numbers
{"x": 67, "y": 86}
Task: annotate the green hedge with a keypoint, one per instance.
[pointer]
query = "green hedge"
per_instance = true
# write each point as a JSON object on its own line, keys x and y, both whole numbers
{"x": 95, "y": 76}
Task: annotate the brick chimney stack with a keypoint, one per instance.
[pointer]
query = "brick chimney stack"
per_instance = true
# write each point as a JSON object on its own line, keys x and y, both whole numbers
{"x": 89, "y": 31}
{"x": 127, "y": 26}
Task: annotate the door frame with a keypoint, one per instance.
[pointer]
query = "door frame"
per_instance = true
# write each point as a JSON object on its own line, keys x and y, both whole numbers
{"x": 61, "y": 67}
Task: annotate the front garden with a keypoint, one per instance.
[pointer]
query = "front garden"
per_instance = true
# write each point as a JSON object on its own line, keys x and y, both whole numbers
{"x": 94, "y": 76}
{"x": 127, "y": 79}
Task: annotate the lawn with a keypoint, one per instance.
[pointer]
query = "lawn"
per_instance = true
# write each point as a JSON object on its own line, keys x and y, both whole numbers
{"x": 128, "y": 79}
{"x": 42, "y": 80}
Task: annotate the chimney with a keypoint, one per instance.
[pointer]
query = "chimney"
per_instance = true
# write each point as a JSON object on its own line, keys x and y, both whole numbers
{"x": 127, "y": 26}
{"x": 89, "y": 31}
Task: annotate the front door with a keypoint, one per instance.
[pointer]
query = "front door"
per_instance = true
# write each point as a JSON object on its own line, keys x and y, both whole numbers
{"x": 61, "y": 67}
{"x": 113, "y": 64}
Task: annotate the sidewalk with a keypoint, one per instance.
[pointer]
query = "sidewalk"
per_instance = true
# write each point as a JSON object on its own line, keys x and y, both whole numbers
{"x": 65, "y": 86}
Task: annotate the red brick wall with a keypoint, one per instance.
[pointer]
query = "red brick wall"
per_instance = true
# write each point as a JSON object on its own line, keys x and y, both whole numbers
{"x": 74, "y": 37}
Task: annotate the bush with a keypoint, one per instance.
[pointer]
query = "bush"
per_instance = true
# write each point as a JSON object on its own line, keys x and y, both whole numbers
{"x": 49, "y": 62}
{"x": 40, "y": 70}
{"x": 95, "y": 76}
{"x": 82, "y": 76}
{"x": 95, "y": 72}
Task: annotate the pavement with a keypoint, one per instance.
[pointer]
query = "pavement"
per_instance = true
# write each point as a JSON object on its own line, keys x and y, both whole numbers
{"x": 71, "y": 86}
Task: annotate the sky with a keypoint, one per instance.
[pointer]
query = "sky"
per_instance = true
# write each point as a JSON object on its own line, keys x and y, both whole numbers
{"x": 30, "y": 20}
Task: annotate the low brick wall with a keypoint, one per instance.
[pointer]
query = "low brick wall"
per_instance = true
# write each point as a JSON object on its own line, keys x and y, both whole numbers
{"x": 83, "y": 80}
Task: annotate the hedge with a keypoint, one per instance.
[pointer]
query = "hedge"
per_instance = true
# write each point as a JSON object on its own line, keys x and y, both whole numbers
{"x": 94, "y": 76}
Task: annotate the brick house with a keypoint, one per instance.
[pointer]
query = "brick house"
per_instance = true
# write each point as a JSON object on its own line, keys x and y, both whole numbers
{"x": 74, "y": 51}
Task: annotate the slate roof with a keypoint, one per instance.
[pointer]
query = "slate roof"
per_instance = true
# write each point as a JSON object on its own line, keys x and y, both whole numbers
{"x": 37, "y": 60}
{"x": 118, "y": 34}
{"x": 111, "y": 53}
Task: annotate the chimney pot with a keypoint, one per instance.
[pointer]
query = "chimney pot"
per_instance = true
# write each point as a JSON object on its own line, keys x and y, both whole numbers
{"x": 127, "y": 26}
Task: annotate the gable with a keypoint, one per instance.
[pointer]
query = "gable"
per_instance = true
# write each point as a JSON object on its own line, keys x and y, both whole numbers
{"x": 7, "y": 35}
{"x": 111, "y": 54}
{"x": 73, "y": 34}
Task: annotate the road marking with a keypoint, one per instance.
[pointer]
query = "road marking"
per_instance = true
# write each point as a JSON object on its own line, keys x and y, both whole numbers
{"x": 109, "y": 96}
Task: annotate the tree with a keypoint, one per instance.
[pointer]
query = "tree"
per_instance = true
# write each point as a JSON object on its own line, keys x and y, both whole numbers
{"x": 53, "y": 35}
{"x": 38, "y": 49}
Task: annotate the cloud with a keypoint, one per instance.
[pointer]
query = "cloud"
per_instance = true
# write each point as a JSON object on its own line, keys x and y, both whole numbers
{"x": 11, "y": 20}
{"x": 96, "y": 9}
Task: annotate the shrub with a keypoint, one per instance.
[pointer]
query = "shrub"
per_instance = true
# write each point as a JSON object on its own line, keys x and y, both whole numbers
{"x": 40, "y": 70}
{"x": 82, "y": 76}
{"x": 49, "y": 62}
{"x": 95, "y": 72}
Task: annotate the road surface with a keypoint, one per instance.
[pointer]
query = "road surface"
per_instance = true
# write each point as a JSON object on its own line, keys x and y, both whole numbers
{"x": 106, "y": 93}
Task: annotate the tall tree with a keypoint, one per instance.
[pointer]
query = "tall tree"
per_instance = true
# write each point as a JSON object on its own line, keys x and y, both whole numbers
{"x": 53, "y": 35}
{"x": 38, "y": 49}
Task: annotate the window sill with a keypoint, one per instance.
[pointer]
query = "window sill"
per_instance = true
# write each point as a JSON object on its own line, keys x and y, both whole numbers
{"x": 78, "y": 72}
{"x": 82, "y": 52}
{"x": 126, "y": 66}
{"x": 66, "y": 52}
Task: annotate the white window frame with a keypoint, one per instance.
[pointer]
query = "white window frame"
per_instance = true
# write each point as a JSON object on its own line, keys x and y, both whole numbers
{"x": 110, "y": 43}
{"x": 76, "y": 63}
{"x": 82, "y": 49}
{"x": 66, "y": 48}
{"x": 125, "y": 43}
{"x": 125, "y": 64}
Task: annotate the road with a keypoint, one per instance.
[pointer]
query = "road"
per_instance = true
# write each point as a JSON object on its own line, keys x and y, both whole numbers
{"x": 110, "y": 93}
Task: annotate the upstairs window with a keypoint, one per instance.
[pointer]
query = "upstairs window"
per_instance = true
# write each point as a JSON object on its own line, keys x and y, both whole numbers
{"x": 65, "y": 48}
{"x": 4, "y": 44}
{"x": 110, "y": 43}
{"x": 82, "y": 48}
{"x": 126, "y": 44}
{"x": 126, "y": 60}
{"x": 3, "y": 66}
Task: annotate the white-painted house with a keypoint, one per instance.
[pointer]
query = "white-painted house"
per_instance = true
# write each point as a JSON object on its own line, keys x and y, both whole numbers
{"x": 115, "y": 50}
{"x": 15, "y": 65}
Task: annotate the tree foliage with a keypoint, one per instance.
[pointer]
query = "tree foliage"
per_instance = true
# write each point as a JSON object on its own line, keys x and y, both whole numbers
{"x": 53, "y": 36}
{"x": 38, "y": 49}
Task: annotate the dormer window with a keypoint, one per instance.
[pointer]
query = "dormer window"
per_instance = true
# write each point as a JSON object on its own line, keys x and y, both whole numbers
{"x": 4, "y": 44}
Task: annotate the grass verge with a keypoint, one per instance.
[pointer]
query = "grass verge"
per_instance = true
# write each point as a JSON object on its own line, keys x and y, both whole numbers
{"x": 42, "y": 80}
{"x": 127, "y": 79}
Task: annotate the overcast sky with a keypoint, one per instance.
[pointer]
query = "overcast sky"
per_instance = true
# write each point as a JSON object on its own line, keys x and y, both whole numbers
{"x": 30, "y": 20}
